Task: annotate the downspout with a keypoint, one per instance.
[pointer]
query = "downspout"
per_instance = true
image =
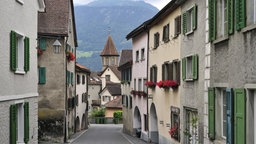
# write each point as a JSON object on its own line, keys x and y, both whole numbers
{"x": 66, "y": 99}
{"x": 147, "y": 80}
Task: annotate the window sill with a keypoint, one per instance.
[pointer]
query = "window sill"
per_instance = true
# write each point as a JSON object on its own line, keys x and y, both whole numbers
{"x": 189, "y": 80}
{"x": 166, "y": 41}
{"x": 175, "y": 36}
{"x": 222, "y": 39}
{"x": 20, "y": 72}
{"x": 142, "y": 59}
{"x": 20, "y": 2}
{"x": 249, "y": 28}
{"x": 188, "y": 33}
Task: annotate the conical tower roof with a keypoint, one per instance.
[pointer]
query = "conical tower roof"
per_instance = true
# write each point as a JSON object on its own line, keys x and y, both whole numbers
{"x": 109, "y": 48}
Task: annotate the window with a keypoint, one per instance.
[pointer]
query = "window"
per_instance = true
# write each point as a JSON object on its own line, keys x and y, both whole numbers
{"x": 137, "y": 56}
{"x": 19, "y": 50}
{"x": 190, "y": 20}
{"x": 177, "y": 26}
{"x": 106, "y": 61}
{"x": 190, "y": 68}
{"x": 41, "y": 75}
{"x": 156, "y": 40}
{"x": 42, "y": 43}
{"x": 134, "y": 85}
{"x": 83, "y": 79}
{"x": 144, "y": 86}
{"x": 78, "y": 79}
{"x": 72, "y": 78}
{"x": 191, "y": 126}
{"x": 143, "y": 54}
{"x": 107, "y": 77}
{"x": 127, "y": 101}
{"x": 222, "y": 23}
{"x": 252, "y": 113}
{"x": 153, "y": 74}
{"x": 166, "y": 33}
{"x": 227, "y": 114}
{"x": 139, "y": 85}
{"x": 251, "y": 12}
{"x": 171, "y": 71}
{"x": 112, "y": 61}
{"x": 123, "y": 100}
{"x": 130, "y": 102}
{"x": 106, "y": 98}
{"x": 175, "y": 123}
{"x": 19, "y": 117}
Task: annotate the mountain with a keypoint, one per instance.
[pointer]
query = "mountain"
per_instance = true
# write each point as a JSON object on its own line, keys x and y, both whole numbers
{"x": 98, "y": 19}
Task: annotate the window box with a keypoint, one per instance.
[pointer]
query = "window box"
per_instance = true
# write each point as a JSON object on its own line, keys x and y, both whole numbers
{"x": 150, "y": 84}
{"x": 167, "y": 84}
{"x": 70, "y": 56}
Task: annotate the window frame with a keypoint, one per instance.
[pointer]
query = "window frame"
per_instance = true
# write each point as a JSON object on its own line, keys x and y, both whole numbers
{"x": 107, "y": 77}
{"x": 222, "y": 95}
{"x": 20, "y": 48}
{"x": 156, "y": 40}
{"x": 139, "y": 84}
{"x": 142, "y": 57}
{"x": 78, "y": 79}
{"x": 166, "y": 35}
{"x": 137, "y": 56}
{"x": 177, "y": 26}
{"x": 189, "y": 17}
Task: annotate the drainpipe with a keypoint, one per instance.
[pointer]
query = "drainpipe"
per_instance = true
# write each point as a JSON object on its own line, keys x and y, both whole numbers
{"x": 147, "y": 79}
{"x": 65, "y": 113}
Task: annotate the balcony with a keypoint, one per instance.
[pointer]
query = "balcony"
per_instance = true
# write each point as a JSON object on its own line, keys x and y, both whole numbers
{"x": 96, "y": 102}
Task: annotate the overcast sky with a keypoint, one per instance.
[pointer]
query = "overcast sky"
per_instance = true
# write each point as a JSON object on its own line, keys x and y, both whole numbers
{"x": 157, "y": 3}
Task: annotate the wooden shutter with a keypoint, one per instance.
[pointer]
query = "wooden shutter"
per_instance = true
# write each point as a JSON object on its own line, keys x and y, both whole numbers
{"x": 230, "y": 116}
{"x": 151, "y": 74}
{"x": 13, "y": 51}
{"x": 184, "y": 22}
{"x": 68, "y": 77}
{"x": 177, "y": 25}
{"x": 230, "y": 16}
{"x": 72, "y": 77}
{"x": 26, "y": 54}
{"x": 170, "y": 71}
{"x": 163, "y": 72}
{"x": 211, "y": 113}
{"x": 184, "y": 61}
{"x": 240, "y": 14}
{"x": 194, "y": 15}
{"x": 26, "y": 122}
{"x": 240, "y": 116}
{"x": 155, "y": 74}
{"x": 42, "y": 43}
{"x": 195, "y": 66}
{"x": 212, "y": 19}
{"x": 178, "y": 72}
{"x": 42, "y": 75}
{"x": 13, "y": 124}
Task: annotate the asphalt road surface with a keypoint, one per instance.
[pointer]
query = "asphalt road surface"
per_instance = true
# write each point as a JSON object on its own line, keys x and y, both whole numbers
{"x": 106, "y": 134}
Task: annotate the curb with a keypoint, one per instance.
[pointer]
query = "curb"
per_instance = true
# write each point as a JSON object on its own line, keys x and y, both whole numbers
{"x": 70, "y": 141}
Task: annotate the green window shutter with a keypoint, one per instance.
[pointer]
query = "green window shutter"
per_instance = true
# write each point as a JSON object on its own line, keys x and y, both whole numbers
{"x": 42, "y": 43}
{"x": 13, "y": 122}
{"x": 184, "y": 22}
{"x": 26, "y": 122}
{"x": 68, "y": 77}
{"x": 72, "y": 75}
{"x": 170, "y": 71}
{"x": 230, "y": 16}
{"x": 13, "y": 51}
{"x": 42, "y": 75}
{"x": 184, "y": 68}
{"x": 212, "y": 19}
{"x": 194, "y": 22}
{"x": 151, "y": 74}
{"x": 240, "y": 14}
{"x": 211, "y": 113}
{"x": 195, "y": 66}
{"x": 240, "y": 116}
{"x": 26, "y": 54}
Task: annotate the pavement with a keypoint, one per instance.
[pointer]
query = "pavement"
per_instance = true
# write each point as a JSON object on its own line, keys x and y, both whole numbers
{"x": 129, "y": 138}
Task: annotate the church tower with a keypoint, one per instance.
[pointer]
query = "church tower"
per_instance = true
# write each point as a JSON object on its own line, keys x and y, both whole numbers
{"x": 109, "y": 54}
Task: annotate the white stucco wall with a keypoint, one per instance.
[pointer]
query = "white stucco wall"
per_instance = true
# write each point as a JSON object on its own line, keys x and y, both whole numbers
{"x": 93, "y": 92}
{"x": 21, "y": 18}
{"x": 18, "y": 88}
{"x": 164, "y": 99}
{"x": 113, "y": 77}
{"x": 80, "y": 89}
{"x": 105, "y": 92}
{"x": 140, "y": 72}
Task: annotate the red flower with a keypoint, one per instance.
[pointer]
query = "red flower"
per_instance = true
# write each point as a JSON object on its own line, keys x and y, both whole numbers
{"x": 172, "y": 131}
{"x": 167, "y": 84}
{"x": 39, "y": 51}
{"x": 160, "y": 84}
{"x": 150, "y": 84}
{"x": 70, "y": 56}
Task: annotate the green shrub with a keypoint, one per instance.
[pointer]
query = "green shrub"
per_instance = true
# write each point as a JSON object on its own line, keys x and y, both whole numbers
{"x": 98, "y": 112}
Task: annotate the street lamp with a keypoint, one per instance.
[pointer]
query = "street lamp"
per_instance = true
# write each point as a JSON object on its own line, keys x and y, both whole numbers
{"x": 56, "y": 46}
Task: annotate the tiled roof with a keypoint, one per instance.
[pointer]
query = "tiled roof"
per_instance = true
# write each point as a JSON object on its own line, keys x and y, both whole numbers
{"x": 115, "y": 103}
{"x": 82, "y": 68}
{"x": 109, "y": 48}
{"x": 126, "y": 56}
{"x": 114, "y": 88}
{"x": 94, "y": 78}
{"x": 55, "y": 19}
{"x": 115, "y": 71}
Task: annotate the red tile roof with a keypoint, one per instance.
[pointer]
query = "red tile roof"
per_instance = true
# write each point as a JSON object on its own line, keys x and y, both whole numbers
{"x": 115, "y": 103}
{"x": 83, "y": 68}
{"x": 109, "y": 48}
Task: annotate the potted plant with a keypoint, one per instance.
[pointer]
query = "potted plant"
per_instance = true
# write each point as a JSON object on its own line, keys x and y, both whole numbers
{"x": 70, "y": 56}
{"x": 150, "y": 84}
